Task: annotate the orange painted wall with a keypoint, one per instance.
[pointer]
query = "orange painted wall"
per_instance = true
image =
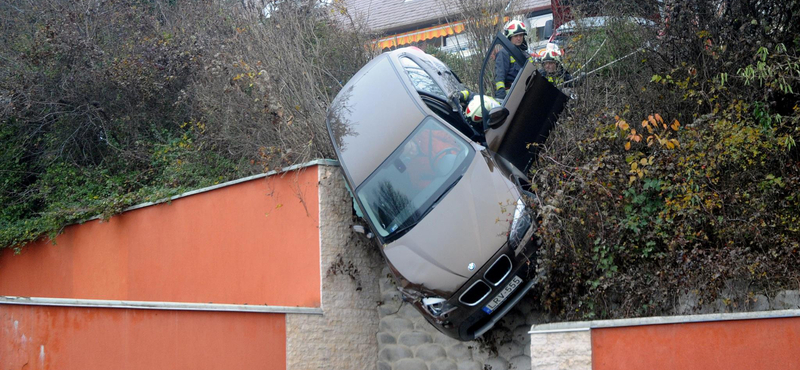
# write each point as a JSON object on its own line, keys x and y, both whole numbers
{"x": 253, "y": 243}
{"x": 737, "y": 344}
{"x": 36, "y": 337}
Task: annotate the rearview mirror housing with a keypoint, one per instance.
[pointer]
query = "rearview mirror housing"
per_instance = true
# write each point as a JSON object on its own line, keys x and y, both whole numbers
{"x": 497, "y": 116}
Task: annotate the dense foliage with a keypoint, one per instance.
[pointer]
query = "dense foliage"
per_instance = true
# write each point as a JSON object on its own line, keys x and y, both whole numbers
{"x": 106, "y": 104}
{"x": 675, "y": 170}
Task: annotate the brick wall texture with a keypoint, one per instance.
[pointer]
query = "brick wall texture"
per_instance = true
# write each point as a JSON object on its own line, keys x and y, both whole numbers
{"x": 344, "y": 337}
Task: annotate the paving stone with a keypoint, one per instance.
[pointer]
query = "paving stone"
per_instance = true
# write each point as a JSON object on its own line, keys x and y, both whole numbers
{"x": 525, "y": 305}
{"x": 688, "y": 303}
{"x": 535, "y": 317}
{"x": 390, "y": 303}
{"x": 431, "y": 352}
{"x": 415, "y": 338}
{"x": 520, "y": 362}
{"x": 786, "y": 300}
{"x": 394, "y": 324}
{"x": 411, "y": 364}
{"x": 500, "y": 334}
{"x": 526, "y": 350}
{"x": 386, "y": 338}
{"x": 443, "y": 364}
{"x": 521, "y": 336}
{"x": 394, "y": 353}
{"x": 387, "y": 284}
{"x": 408, "y": 311}
{"x": 759, "y": 302}
{"x": 512, "y": 320}
{"x": 383, "y": 365}
{"x": 439, "y": 337}
{"x": 495, "y": 363}
{"x": 509, "y": 349}
{"x": 459, "y": 352}
{"x": 479, "y": 354}
{"x": 470, "y": 365}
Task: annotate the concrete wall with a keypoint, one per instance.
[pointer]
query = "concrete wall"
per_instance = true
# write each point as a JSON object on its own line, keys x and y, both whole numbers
{"x": 754, "y": 340}
{"x": 260, "y": 273}
{"x": 344, "y": 337}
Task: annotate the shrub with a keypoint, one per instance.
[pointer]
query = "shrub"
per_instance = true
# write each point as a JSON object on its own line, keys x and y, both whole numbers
{"x": 676, "y": 170}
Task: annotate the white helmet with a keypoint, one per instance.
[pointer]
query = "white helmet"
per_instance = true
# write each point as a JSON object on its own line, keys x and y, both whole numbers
{"x": 474, "y": 111}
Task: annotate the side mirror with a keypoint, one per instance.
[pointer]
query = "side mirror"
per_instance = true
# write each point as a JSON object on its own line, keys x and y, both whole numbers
{"x": 497, "y": 116}
{"x": 548, "y": 30}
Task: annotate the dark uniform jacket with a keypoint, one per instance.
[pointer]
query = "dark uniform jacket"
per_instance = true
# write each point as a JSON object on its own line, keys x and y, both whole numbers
{"x": 505, "y": 71}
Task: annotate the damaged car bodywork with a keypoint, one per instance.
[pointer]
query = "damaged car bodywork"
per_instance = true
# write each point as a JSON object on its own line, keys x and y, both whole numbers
{"x": 446, "y": 206}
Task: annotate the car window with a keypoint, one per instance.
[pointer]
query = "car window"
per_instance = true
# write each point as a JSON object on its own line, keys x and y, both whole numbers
{"x": 421, "y": 80}
{"x": 407, "y": 184}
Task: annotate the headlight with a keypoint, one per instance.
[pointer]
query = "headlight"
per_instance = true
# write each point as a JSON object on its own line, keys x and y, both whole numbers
{"x": 520, "y": 224}
{"x": 438, "y": 306}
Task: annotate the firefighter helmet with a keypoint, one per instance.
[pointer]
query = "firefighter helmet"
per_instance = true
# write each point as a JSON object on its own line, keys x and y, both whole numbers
{"x": 515, "y": 27}
{"x": 474, "y": 111}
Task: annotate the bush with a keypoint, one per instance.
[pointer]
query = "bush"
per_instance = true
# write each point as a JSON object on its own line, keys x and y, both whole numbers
{"x": 108, "y": 104}
{"x": 676, "y": 170}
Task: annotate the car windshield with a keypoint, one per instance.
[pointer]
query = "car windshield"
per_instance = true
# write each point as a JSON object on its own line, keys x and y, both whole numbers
{"x": 409, "y": 183}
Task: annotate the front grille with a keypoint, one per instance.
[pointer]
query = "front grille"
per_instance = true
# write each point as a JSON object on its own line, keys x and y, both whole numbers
{"x": 498, "y": 271}
{"x": 475, "y": 293}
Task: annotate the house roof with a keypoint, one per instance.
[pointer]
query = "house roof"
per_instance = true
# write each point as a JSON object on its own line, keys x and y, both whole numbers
{"x": 392, "y": 16}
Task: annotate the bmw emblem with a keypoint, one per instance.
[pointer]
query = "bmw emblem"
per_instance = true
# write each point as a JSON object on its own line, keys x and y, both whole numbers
{"x": 471, "y": 266}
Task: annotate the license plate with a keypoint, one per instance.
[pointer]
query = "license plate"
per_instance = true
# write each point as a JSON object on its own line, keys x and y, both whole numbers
{"x": 500, "y": 297}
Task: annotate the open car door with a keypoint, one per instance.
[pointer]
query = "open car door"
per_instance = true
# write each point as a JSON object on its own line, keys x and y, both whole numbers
{"x": 529, "y": 111}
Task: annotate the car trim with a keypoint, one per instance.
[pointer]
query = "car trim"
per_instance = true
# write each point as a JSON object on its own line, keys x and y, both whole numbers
{"x": 472, "y": 286}
{"x": 510, "y": 267}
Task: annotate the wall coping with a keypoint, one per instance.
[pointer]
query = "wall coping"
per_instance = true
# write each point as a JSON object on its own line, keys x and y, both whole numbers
{"x": 154, "y": 305}
{"x": 563, "y": 327}
{"x": 316, "y": 162}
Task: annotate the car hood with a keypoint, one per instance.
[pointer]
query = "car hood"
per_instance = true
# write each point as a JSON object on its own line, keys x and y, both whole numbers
{"x": 468, "y": 226}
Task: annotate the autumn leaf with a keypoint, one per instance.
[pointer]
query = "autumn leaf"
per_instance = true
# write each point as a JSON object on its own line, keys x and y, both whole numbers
{"x": 658, "y": 118}
{"x": 675, "y": 125}
{"x": 623, "y": 125}
{"x": 651, "y": 119}
{"x": 628, "y": 146}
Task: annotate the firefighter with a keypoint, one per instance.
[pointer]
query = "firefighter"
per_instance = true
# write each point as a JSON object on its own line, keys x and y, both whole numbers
{"x": 552, "y": 69}
{"x": 505, "y": 66}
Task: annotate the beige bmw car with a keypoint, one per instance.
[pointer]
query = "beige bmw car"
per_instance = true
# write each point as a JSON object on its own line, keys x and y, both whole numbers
{"x": 445, "y": 198}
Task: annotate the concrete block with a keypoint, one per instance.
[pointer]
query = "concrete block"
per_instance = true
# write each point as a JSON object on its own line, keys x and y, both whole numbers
{"x": 431, "y": 352}
{"x": 411, "y": 364}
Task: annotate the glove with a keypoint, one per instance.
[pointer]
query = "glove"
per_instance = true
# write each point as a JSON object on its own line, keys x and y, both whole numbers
{"x": 500, "y": 94}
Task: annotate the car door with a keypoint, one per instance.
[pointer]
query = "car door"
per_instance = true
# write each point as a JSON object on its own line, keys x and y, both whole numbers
{"x": 533, "y": 106}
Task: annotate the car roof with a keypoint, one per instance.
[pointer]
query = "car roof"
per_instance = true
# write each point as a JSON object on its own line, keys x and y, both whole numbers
{"x": 597, "y": 22}
{"x": 372, "y": 115}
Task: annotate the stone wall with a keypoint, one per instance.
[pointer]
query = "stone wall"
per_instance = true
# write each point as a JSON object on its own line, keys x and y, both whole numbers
{"x": 344, "y": 337}
{"x": 562, "y": 351}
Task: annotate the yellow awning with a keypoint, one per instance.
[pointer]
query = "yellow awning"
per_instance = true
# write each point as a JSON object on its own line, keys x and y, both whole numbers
{"x": 425, "y": 34}
{"x": 421, "y": 35}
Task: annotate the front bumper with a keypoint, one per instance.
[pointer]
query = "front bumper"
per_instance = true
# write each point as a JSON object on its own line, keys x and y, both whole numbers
{"x": 469, "y": 322}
